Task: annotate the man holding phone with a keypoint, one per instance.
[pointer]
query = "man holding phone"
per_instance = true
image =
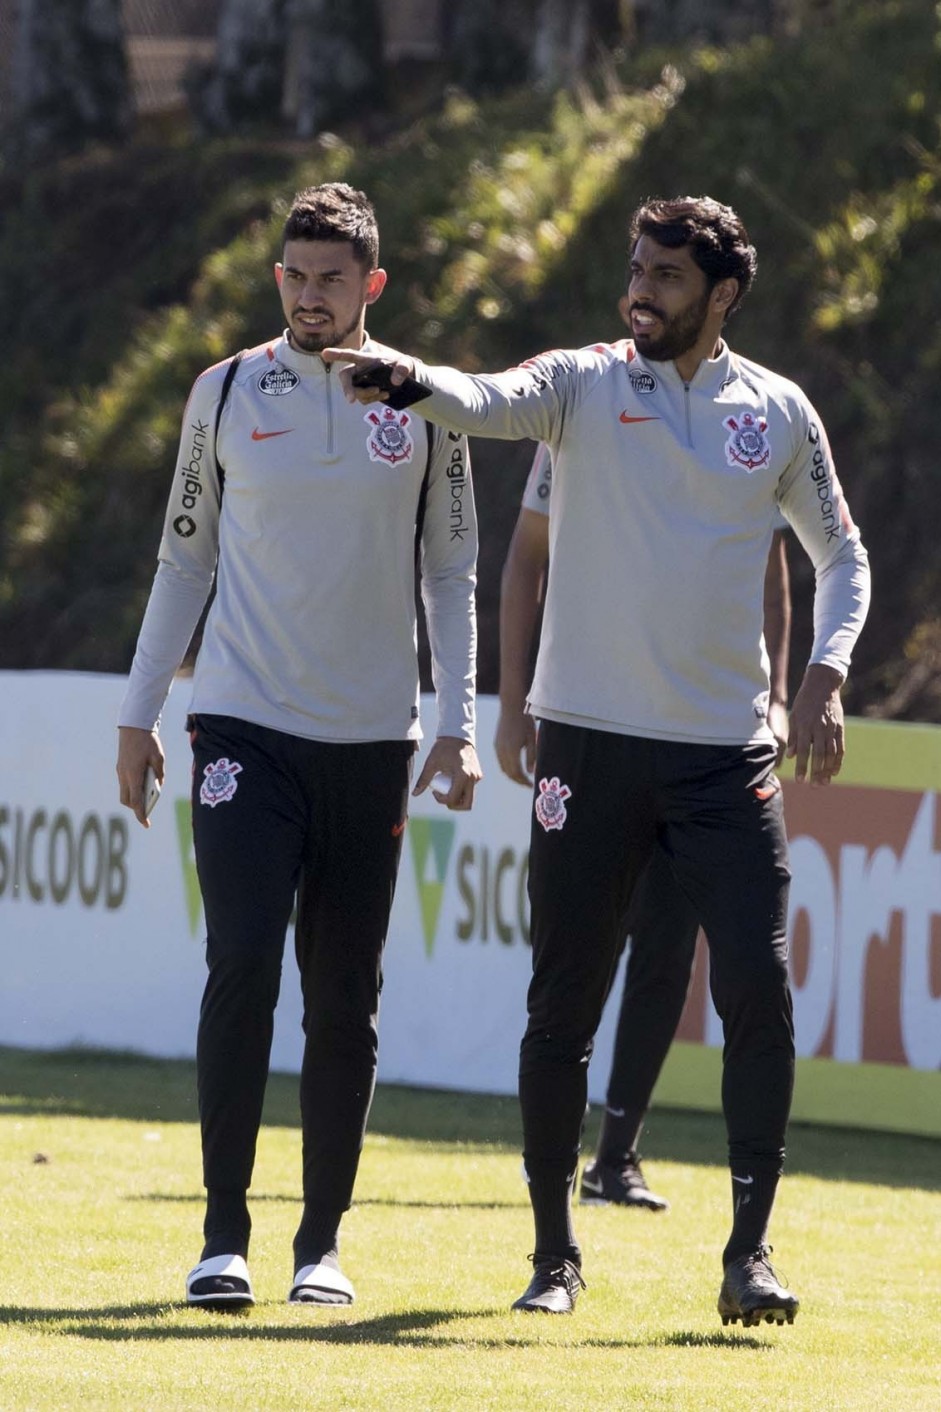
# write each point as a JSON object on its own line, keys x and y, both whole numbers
{"x": 305, "y": 716}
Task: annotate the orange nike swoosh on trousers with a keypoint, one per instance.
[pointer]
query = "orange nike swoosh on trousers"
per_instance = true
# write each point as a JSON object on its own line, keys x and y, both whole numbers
{"x": 627, "y": 420}
{"x": 398, "y": 828}
{"x": 264, "y": 435}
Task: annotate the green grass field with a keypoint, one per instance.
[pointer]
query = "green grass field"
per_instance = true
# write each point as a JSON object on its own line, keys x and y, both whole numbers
{"x": 102, "y": 1207}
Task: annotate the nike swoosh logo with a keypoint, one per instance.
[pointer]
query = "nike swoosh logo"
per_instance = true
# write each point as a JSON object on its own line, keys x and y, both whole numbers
{"x": 628, "y": 421}
{"x": 766, "y": 791}
{"x": 745, "y": 1181}
{"x": 398, "y": 829}
{"x": 592, "y": 1186}
{"x": 264, "y": 435}
{"x": 615, "y": 1112}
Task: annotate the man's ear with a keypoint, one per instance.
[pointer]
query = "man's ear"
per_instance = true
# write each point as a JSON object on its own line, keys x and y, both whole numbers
{"x": 624, "y": 308}
{"x": 375, "y": 284}
{"x": 278, "y": 273}
{"x": 724, "y": 294}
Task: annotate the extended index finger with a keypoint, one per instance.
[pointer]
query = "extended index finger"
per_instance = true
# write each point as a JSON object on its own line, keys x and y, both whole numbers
{"x": 348, "y": 355}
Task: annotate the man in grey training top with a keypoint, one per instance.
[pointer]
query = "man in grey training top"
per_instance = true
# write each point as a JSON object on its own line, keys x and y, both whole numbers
{"x": 304, "y": 716}
{"x": 661, "y": 922}
{"x": 672, "y": 456}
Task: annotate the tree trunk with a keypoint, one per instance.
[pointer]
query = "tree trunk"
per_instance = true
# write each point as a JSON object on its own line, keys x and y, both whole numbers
{"x": 245, "y": 82}
{"x": 70, "y": 76}
{"x": 492, "y": 44}
{"x": 709, "y": 21}
{"x": 335, "y": 62}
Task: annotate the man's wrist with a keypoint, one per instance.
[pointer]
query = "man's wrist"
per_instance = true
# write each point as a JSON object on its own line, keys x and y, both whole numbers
{"x": 821, "y": 672}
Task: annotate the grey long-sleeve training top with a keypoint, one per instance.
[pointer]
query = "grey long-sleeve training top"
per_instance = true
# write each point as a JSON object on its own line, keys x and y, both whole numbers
{"x": 313, "y": 627}
{"x": 665, "y": 495}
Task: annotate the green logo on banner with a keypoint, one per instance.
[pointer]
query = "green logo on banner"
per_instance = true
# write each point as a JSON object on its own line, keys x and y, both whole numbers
{"x": 184, "y": 833}
{"x": 432, "y": 841}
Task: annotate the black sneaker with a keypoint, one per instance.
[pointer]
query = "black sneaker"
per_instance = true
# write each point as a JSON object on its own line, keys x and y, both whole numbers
{"x": 751, "y": 1292}
{"x": 618, "y": 1186}
{"x": 553, "y": 1288}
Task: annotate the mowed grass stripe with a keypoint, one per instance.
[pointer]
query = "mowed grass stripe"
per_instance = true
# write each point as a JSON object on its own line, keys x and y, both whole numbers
{"x": 95, "y": 1241}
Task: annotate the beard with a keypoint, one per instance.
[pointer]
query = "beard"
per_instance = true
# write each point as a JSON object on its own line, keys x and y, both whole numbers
{"x": 316, "y": 340}
{"x": 677, "y": 335}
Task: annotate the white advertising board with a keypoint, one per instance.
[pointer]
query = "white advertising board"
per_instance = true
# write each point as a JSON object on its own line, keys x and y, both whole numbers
{"x": 103, "y": 934}
{"x": 102, "y": 923}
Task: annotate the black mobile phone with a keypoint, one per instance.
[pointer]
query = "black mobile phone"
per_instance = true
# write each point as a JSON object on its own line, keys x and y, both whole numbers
{"x": 379, "y": 374}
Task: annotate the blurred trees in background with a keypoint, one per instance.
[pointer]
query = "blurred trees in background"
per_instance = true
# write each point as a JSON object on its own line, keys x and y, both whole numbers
{"x": 244, "y": 82}
{"x": 292, "y": 63}
{"x": 69, "y": 80}
{"x": 502, "y": 214}
{"x": 307, "y": 63}
{"x": 295, "y": 66}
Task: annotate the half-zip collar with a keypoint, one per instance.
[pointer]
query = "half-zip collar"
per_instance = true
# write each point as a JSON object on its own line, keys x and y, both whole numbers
{"x": 711, "y": 376}
{"x": 312, "y": 366}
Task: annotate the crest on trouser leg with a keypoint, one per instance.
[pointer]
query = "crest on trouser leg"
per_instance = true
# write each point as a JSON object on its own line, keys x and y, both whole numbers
{"x": 550, "y": 803}
{"x": 219, "y": 782}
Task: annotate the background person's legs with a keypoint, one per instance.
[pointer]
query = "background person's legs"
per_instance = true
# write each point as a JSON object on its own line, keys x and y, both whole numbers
{"x": 662, "y": 927}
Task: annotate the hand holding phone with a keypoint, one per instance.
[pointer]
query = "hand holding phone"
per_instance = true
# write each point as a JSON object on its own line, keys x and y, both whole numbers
{"x": 379, "y": 374}
{"x": 151, "y": 791}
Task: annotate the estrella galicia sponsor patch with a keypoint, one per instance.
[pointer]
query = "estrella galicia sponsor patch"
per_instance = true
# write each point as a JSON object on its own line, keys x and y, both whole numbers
{"x": 184, "y": 526}
{"x": 642, "y": 381}
{"x": 748, "y": 444}
{"x": 389, "y": 438}
{"x": 278, "y": 382}
{"x": 550, "y": 803}
{"x": 219, "y": 782}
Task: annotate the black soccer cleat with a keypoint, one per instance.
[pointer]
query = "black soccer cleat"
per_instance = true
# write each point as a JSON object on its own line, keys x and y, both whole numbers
{"x": 751, "y": 1292}
{"x": 619, "y": 1186}
{"x": 553, "y": 1288}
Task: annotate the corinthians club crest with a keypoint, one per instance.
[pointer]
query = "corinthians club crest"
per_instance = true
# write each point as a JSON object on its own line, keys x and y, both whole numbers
{"x": 748, "y": 445}
{"x": 219, "y": 782}
{"x": 389, "y": 438}
{"x": 550, "y": 803}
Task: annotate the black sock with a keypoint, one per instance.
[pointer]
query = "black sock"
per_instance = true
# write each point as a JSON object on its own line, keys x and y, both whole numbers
{"x": 228, "y": 1226}
{"x": 619, "y": 1136}
{"x": 317, "y": 1241}
{"x": 551, "y": 1195}
{"x": 753, "y": 1190}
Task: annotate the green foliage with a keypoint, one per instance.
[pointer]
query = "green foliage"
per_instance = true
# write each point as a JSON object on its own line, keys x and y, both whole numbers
{"x": 103, "y": 1203}
{"x": 508, "y": 234}
{"x": 504, "y": 229}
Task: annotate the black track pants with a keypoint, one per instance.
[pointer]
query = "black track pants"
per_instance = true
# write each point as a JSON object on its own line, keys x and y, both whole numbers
{"x": 602, "y": 803}
{"x": 662, "y": 927}
{"x": 275, "y": 815}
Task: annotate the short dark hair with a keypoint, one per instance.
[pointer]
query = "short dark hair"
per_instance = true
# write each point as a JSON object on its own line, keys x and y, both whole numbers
{"x": 716, "y": 234}
{"x": 335, "y": 211}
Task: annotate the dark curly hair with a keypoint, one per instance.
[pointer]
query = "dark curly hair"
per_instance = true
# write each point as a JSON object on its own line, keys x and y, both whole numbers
{"x": 335, "y": 211}
{"x": 716, "y": 235}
